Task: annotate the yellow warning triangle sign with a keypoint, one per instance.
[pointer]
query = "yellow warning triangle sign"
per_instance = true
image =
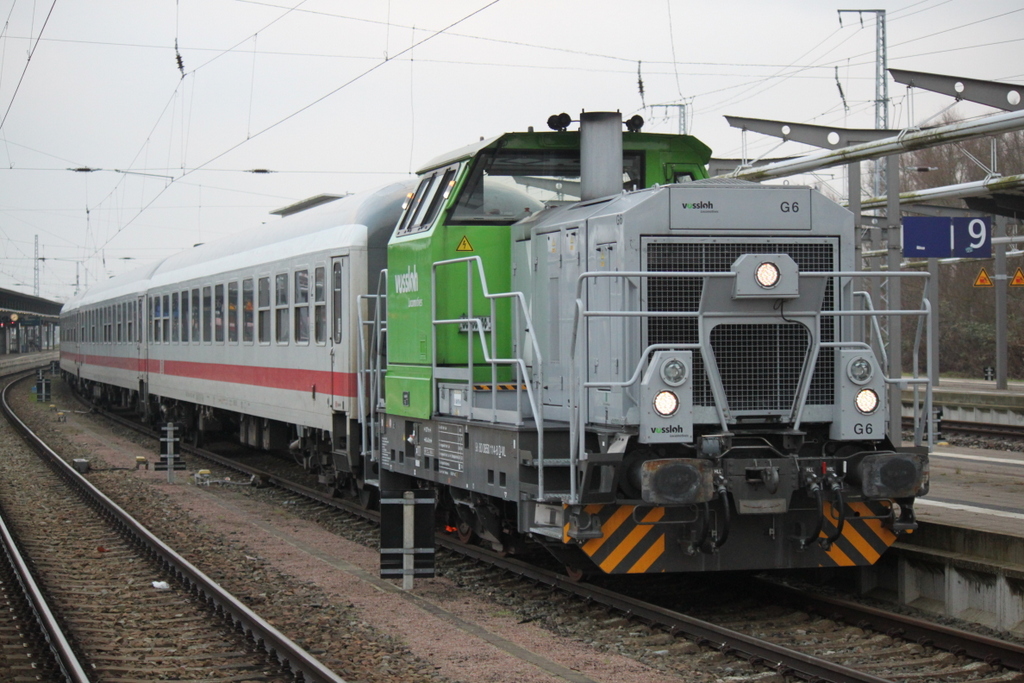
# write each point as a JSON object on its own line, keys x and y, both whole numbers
{"x": 1018, "y": 279}
{"x": 983, "y": 280}
{"x": 464, "y": 245}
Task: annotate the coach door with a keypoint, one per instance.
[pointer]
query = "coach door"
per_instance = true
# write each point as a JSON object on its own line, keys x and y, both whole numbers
{"x": 138, "y": 335}
{"x": 342, "y": 378}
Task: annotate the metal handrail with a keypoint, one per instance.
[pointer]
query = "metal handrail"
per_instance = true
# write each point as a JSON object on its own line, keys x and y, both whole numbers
{"x": 579, "y": 392}
{"x": 490, "y": 355}
{"x": 368, "y": 389}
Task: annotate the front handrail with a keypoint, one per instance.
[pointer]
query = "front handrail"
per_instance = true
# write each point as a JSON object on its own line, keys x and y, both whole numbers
{"x": 578, "y": 395}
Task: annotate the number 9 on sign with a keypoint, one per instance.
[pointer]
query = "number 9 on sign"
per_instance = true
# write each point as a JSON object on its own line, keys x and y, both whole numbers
{"x": 972, "y": 237}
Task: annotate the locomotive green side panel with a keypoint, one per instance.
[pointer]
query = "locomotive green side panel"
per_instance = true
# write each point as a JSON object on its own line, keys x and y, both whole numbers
{"x": 656, "y": 159}
{"x": 407, "y": 388}
{"x": 493, "y": 244}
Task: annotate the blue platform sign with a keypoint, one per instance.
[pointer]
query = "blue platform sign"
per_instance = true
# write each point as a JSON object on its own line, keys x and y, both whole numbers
{"x": 972, "y": 237}
{"x": 926, "y": 237}
{"x": 937, "y": 237}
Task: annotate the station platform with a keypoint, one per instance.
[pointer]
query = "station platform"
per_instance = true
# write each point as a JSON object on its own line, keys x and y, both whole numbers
{"x": 976, "y": 400}
{"x": 975, "y": 489}
{"x": 15, "y": 362}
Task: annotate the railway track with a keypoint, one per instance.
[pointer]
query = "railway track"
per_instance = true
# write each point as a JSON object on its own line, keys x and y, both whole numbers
{"x": 796, "y": 635}
{"x": 131, "y": 607}
{"x": 983, "y": 429}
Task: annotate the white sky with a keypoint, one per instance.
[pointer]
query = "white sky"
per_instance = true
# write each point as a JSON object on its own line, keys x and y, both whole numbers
{"x": 338, "y": 96}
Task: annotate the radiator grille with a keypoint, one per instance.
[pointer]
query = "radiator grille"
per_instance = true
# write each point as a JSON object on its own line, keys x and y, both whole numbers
{"x": 744, "y": 353}
{"x": 760, "y": 364}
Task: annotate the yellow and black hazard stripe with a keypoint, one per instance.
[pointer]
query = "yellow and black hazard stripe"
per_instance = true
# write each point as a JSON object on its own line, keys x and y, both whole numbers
{"x": 498, "y": 387}
{"x": 629, "y": 545}
{"x": 864, "y": 536}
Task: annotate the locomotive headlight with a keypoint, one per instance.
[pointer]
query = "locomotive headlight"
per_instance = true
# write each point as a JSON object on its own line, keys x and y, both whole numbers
{"x": 666, "y": 403}
{"x": 767, "y": 275}
{"x": 859, "y": 370}
{"x": 867, "y": 401}
{"x": 674, "y": 372}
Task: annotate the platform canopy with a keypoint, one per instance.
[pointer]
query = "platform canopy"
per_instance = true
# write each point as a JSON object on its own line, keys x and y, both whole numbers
{"x": 27, "y": 306}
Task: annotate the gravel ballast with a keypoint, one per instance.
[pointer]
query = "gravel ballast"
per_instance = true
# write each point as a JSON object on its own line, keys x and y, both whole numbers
{"x": 320, "y": 588}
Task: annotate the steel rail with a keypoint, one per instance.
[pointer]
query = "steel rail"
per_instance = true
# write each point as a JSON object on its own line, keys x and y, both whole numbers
{"x": 273, "y": 641}
{"x": 990, "y": 650}
{"x": 64, "y": 655}
{"x": 783, "y": 660}
{"x": 978, "y": 428}
{"x": 777, "y": 657}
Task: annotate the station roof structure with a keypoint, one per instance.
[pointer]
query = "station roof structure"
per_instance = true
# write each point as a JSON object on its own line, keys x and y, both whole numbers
{"x": 28, "y": 307}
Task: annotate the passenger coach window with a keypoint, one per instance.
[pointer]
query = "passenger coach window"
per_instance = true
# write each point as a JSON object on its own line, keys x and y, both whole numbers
{"x": 218, "y": 313}
{"x": 319, "y": 307}
{"x": 167, "y": 318}
{"x": 184, "y": 316}
{"x": 195, "y": 315}
{"x": 207, "y": 311}
{"x": 264, "y": 304}
{"x": 233, "y": 312}
{"x": 175, "y": 317}
{"x": 247, "y": 310}
{"x": 302, "y": 307}
{"x": 156, "y": 314}
{"x": 281, "y": 310}
{"x": 338, "y": 303}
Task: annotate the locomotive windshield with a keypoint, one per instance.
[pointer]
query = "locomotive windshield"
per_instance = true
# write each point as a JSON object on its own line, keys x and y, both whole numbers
{"x": 507, "y": 185}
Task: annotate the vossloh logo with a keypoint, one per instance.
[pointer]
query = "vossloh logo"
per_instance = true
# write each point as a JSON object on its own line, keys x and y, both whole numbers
{"x": 406, "y": 282}
{"x": 704, "y": 205}
{"x": 671, "y": 429}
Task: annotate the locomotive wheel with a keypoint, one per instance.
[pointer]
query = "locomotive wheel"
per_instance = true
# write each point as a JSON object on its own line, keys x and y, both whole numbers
{"x": 575, "y": 575}
{"x": 464, "y": 532}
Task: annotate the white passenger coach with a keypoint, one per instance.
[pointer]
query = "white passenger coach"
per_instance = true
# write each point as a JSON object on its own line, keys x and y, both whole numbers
{"x": 255, "y": 332}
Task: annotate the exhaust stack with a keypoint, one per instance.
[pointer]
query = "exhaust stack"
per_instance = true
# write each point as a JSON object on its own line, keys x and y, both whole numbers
{"x": 600, "y": 154}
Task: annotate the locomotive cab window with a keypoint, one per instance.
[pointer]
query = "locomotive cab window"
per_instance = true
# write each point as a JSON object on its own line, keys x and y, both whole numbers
{"x": 423, "y": 206}
{"x": 507, "y": 185}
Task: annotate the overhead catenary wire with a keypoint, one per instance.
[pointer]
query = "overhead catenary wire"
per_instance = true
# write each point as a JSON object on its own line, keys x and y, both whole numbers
{"x": 28, "y": 61}
{"x": 295, "y": 113}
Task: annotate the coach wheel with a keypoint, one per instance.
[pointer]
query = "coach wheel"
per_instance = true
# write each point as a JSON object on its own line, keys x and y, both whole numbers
{"x": 365, "y": 495}
{"x": 465, "y": 532}
{"x": 367, "y": 499}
